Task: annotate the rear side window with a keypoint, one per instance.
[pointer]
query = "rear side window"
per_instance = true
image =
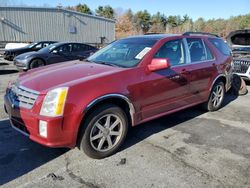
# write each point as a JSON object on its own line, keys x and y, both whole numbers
{"x": 209, "y": 53}
{"x": 174, "y": 51}
{"x": 221, "y": 46}
{"x": 198, "y": 50}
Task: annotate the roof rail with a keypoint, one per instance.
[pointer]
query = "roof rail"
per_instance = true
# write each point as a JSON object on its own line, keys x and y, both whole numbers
{"x": 199, "y": 33}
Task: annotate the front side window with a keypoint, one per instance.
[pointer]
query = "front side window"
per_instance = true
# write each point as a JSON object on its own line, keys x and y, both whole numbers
{"x": 174, "y": 51}
{"x": 65, "y": 49}
{"x": 123, "y": 53}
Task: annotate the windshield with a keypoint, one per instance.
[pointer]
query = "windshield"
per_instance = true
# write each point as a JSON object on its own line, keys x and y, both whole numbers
{"x": 123, "y": 53}
{"x": 48, "y": 48}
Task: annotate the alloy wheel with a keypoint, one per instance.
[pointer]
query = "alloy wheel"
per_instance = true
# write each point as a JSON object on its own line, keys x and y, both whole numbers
{"x": 106, "y": 132}
{"x": 217, "y": 96}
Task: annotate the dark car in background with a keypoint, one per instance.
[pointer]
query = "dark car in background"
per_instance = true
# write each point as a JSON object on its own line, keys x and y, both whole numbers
{"x": 10, "y": 54}
{"x": 55, "y": 53}
{"x": 239, "y": 41}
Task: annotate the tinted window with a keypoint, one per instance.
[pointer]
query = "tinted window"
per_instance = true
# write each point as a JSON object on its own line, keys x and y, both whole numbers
{"x": 67, "y": 48}
{"x": 221, "y": 46}
{"x": 77, "y": 48}
{"x": 196, "y": 49}
{"x": 174, "y": 51}
{"x": 81, "y": 47}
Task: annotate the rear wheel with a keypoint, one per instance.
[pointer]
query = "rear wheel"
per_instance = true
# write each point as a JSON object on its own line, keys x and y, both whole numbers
{"x": 35, "y": 63}
{"x": 216, "y": 97}
{"x": 104, "y": 131}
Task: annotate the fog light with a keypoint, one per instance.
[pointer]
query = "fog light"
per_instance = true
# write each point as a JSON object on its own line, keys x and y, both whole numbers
{"x": 43, "y": 128}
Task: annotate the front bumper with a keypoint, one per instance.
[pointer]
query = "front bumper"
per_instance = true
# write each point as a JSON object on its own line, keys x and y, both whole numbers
{"x": 26, "y": 122}
{"x": 21, "y": 64}
{"x": 241, "y": 67}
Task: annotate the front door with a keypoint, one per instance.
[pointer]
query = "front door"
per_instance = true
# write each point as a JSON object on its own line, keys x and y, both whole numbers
{"x": 61, "y": 54}
{"x": 166, "y": 90}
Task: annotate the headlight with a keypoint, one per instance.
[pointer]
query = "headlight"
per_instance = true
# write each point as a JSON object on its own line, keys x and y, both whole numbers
{"x": 27, "y": 56}
{"x": 54, "y": 101}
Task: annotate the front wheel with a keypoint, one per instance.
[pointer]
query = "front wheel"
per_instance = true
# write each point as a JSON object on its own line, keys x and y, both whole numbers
{"x": 216, "y": 97}
{"x": 35, "y": 63}
{"x": 104, "y": 131}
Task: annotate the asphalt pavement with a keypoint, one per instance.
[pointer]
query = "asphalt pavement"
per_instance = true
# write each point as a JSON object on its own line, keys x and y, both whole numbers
{"x": 190, "y": 148}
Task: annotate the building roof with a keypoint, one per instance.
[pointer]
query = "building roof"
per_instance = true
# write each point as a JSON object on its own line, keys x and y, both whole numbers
{"x": 53, "y": 9}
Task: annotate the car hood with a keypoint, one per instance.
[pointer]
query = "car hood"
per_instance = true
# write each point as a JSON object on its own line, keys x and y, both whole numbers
{"x": 23, "y": 49}
{"x": 63, "y": 74}
{"x": 27, "y": 54}
{"x": 239, "y": 42}
{"x": 239, "y": 39}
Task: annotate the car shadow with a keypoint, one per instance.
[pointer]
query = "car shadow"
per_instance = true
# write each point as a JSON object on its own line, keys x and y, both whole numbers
{"x": 19, "y": 155}
{"x": 3, "y": 72}
{"x": 145, "y": 130}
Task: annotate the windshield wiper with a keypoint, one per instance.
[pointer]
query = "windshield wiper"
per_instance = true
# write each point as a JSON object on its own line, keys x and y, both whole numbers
{"x": 105, "y": 63}
{"x": 89, "y": 61}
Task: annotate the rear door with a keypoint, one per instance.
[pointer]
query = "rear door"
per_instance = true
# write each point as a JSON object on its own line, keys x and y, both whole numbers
{"x": 203, "y": 68}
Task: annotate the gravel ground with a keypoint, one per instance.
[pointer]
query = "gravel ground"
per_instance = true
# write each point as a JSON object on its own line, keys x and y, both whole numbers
{"x": 187, "y": 149}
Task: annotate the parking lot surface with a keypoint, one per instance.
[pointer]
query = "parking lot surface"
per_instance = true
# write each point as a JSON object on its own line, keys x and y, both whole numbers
{"x": 190, "y": 148}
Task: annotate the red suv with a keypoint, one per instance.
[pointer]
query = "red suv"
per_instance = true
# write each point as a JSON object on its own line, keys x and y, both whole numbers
{"x": 92, "y": 103}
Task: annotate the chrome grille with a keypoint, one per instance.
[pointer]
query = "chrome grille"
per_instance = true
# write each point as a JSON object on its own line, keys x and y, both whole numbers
{"x": 241, "y": 66}
{"x": 23, "y": 97}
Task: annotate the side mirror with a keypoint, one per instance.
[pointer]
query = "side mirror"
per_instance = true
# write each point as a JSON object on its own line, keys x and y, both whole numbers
{"x": 158, "y": 64}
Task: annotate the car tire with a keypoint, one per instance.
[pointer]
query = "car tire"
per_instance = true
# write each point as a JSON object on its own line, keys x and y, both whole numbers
{"x": 238, "y": 86}
{"x": 35, "y": 63}
{"x": 104, "y": 131}
{"x": 216, "y": 97}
